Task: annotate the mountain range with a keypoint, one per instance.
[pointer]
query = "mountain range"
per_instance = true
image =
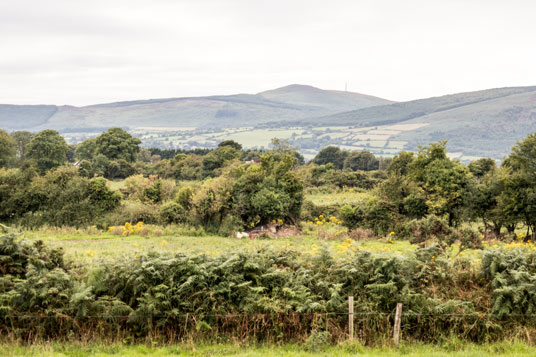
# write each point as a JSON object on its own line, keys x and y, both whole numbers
{"x": 283, "y": 104}
{"x": 481, "y": 123}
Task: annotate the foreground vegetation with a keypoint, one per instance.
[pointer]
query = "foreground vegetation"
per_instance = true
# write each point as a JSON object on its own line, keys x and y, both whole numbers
{"x": 447, "y": 348}
{"x": 274, "y": 293}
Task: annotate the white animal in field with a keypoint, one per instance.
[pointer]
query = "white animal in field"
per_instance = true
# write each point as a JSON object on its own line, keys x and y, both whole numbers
{"x": 242, "y": 235}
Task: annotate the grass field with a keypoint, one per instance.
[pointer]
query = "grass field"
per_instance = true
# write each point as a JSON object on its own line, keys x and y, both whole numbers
{"x": 91, "y": 246}
{"x": 347, "y": 196}
{"x": 291, "y": 350}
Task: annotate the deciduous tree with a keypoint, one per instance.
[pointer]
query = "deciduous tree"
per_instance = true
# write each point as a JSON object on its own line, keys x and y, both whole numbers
{"x": 116, "y": 143}
{"x": 48, "y": 149}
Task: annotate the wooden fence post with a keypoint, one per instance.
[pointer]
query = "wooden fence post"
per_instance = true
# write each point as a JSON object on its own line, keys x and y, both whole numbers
{"x": 351, "y": 317}
{"x": 398, "y": 317}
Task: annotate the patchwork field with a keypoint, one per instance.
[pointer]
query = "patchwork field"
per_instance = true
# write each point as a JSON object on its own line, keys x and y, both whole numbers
{"x": 377, "y": 139}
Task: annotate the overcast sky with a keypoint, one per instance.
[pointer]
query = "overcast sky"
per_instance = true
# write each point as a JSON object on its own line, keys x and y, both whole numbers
{"x": 85, "y": 52}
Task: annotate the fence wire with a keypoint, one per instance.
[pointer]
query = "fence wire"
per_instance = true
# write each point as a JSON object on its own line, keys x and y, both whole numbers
{"x": 258, "y": 315}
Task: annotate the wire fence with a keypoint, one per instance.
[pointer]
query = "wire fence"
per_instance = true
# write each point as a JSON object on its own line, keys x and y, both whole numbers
{"x": 305, "y": 314}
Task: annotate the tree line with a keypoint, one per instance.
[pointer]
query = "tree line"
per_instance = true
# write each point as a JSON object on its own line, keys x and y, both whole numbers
{"x": 43, "y": 180}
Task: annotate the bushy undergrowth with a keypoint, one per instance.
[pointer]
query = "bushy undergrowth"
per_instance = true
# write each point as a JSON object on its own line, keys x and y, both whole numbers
{"x": 263, "y": 295}
{"x": 435, "y": 228}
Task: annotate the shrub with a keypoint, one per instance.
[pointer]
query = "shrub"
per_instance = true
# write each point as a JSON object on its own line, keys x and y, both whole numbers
{"x": 119, "y": 169}
{"x": 511, "y": 274}
{"x": 269, "y": 204}
{"x": 420, "y": 230}
{"x": 467, "y": 237}
{"x": 116, "y": 230}
{"x": 172, "y": 212}
{"x": 360, "y": 234}
{"x": 85, "y": 169}
{"x": 184, "y": 197}
{"x": 267, "y": 191}
{"x": 184, "y": 230}
{"x": 352, "y": 217}
{"x": 129, "y": 229}
{"x": 134, "y": 186}
{"x": 145, "y": 231}
{"x": 379, "y": 215}
{"x": 62, "y": 198}
{"x": 153, "y": 193}
{"x": 132, "y": 212}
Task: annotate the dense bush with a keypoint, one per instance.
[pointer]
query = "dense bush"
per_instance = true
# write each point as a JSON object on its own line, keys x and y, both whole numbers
{"x": 164, "y": 295}
{"x": 267, "y": 191}
{"x": 132, "y": 212}
{"x": 327, "y": 175}
{"x": 352, "y": 217}
{"x": 437, "y": 228}
{"x": 149, "y": 189}
{"x": 420, "y": 230}
{"x": 512, "y": 274}
{"x": 172, "y": 212}
{"x": 61, "y": 197}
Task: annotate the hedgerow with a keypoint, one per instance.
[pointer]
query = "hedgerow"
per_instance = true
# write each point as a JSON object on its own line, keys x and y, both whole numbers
{"x": 264, "y": 295}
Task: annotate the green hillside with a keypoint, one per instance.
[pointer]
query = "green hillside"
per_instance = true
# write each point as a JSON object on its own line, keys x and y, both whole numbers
{"x": 484, "y": 129}
{"x": 399, "y": 112}
{"x": 283, "y": 104}
{"x": 15, "y": 117}
{"x": 331, "y": 100}
{"x": 476, "y": 124}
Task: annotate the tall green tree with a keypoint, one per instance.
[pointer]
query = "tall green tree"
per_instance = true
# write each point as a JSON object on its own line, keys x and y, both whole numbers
{"x": 361, "y": 160}
{"x": 218, "y": 158}
{"x": 482, "y": 166}
{"x": 49, "y": 150}
{"x": 523, "y": 156}
{"x": 87, "y": 149}
{"x": 521, "y": 184}
{"x": 281, "y": 148}
{"x": 331, "y": 155}
{"x": 7, "y": 148}
{"x": 400, "y": 163}
{"x": 443, "y": 182}
{"x": 266, "y": 191}
{"x": 231, "y": 143}
{"x": 116, "y": 143}
{"x": 487, "y": 201}
{"x": 22, "y": 139}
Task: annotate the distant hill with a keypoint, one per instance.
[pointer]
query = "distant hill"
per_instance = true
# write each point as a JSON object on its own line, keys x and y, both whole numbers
{"x": 287, "y": 103}
{"x": 482, "y": 123}
{"x": 402, "y": 111}
{"x": 331, "y": 100}
{"x": 16, "y": 117}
